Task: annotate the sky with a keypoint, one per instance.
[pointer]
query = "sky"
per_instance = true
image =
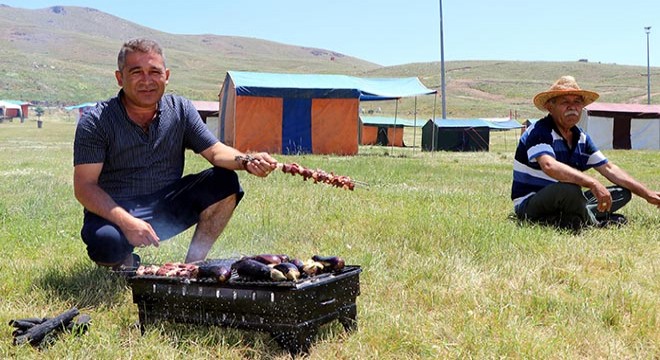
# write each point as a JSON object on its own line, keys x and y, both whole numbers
{"x": 393, "y": 32}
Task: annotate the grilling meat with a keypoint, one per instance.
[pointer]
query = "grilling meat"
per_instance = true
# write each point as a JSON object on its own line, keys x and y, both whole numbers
{"x": 169, "y": 270}
{"x": 269, "y": 267}
{"x": 319, "y": 175}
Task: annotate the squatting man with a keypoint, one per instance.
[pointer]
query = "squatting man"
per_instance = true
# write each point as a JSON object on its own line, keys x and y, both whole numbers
{"x": 129, "y": 160}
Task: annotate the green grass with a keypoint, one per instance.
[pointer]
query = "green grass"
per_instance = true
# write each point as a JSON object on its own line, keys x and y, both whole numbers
{"x": 446, "y": 273}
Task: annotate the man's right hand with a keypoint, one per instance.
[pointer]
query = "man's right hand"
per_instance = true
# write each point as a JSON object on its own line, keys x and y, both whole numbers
{"x": 139, "y": 232}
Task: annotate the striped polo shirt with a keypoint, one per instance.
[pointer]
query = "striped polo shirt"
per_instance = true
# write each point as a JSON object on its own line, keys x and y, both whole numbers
{"x": 136, "y": 162}
{"x": 544, "y": 138}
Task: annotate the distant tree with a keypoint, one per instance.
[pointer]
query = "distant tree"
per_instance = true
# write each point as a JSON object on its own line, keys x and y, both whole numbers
{"x": 40, "y": 111}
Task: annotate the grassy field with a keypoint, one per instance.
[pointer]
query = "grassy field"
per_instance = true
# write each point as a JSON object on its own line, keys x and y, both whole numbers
{"x": 446, "y": 273}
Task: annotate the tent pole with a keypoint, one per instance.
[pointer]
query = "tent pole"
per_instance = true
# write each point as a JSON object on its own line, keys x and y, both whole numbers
{"x": 414, "y": 127}
{"x": 396, "y": 111}
{"x": 435, "y": 104}
{"x": 442, "y": 66}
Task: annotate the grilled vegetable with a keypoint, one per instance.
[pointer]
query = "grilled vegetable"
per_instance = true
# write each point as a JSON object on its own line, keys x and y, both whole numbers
{"x": 250, "y": 268}
{"x": 277, "y": 275}
{"x": 298, "y": 263}
{"x": 311, "y": 267}
{"x": 268, "y": 259}
{"x": 220, "y": 273}
{"x": 253, "y": 269}
{"x": 331, "y": 263}
{"x": 289, "y": 270}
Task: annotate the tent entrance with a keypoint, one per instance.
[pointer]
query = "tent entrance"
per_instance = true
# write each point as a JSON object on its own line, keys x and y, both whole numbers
{"x": 296, "y": 126}
{"x": 381, "y": 138}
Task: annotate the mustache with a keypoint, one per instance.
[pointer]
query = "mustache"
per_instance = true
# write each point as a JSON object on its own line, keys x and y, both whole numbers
{"x": 571, "y": 112}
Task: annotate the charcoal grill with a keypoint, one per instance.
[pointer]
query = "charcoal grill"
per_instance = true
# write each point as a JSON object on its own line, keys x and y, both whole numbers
{"x": 291, "y": 311}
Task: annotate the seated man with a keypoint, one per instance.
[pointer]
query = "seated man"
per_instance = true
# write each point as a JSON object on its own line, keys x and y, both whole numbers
{"x": 129, "y": 156}
{"x": 549, "y": 165}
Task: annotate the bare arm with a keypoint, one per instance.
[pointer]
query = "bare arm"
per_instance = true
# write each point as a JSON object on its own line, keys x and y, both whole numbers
{"x": 96, "y": 200}
{"x": 564, "y": 173}
{"x": 618, "y": 176}
{"x": 224, "y": 156}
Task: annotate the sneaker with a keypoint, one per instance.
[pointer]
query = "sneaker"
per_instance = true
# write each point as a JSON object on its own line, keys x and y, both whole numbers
{"x": 610, "y": 220}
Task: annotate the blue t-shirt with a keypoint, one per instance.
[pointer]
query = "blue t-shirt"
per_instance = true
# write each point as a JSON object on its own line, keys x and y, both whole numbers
{"x": 544, "y": 138}
{"x": 136, "y": 162}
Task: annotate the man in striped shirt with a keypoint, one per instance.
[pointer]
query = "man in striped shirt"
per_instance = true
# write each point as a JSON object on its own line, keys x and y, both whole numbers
{"x": 129, "y": 156}
{"x": 550, "y": 163}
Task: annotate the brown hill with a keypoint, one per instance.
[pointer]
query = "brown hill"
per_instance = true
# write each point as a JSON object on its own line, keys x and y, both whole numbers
{"x": 66, "y": 54}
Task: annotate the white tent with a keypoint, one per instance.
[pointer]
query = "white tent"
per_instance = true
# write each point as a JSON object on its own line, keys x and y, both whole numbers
{"x": 622, "y": 126}
{"x": 4, "y": 105}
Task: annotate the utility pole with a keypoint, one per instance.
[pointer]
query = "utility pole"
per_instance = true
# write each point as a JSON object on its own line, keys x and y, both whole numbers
{"x": 648, "y": 66}
{"x": 442, "y": 68}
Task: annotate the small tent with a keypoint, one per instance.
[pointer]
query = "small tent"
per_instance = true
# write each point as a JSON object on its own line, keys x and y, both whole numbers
{"x": 301, "y": 113}
{"x": 80, "y": 109}
{"x": 622, "y": 126}
{"x": 12, "y": 108}
{"x": 462, "y": 134}
{"x": 206, "y": 109}
{"x": 384, "y": 131}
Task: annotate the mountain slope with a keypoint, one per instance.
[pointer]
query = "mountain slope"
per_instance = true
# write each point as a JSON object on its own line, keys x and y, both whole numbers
{"x": 69, "y": 54}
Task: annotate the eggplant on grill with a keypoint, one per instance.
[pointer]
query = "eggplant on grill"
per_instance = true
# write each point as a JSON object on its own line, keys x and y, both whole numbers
{"x": 220, "y": 273}
{"x": 253, "y": 269}
{"x": 332, "y": 263}
{"x": 289, "y": 270}
{"x": 268, "y": 259}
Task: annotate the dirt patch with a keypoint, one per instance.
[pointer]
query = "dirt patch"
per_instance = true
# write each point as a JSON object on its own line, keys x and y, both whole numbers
{"x": 467, "y": 87}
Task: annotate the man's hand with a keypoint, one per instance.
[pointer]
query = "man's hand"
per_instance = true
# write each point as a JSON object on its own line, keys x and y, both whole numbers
{"x": 260, "y": 164}
{"x": 603, "y": 195}
{"x": 618, "y": 176}
{"x": 139, "y": 233}
{"x": 654, "y": 198}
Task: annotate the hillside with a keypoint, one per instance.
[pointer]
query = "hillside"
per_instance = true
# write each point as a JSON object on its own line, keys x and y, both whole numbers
{"x": 66, "y": 55}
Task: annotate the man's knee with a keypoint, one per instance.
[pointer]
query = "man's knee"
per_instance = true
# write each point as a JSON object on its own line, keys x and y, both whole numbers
{"x": 558, "y": 199}
{"x": 214, "y": 185}
{"x": 222, "y": 208}
{"x": 571, "y": 197}
{"x": 105, "y": 245}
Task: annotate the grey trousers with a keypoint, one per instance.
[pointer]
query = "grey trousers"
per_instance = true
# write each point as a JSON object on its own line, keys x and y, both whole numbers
{"x": 566, "y": 206}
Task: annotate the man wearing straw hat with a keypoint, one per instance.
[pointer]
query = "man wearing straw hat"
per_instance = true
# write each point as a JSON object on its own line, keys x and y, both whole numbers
{"x": 550, "y": 163}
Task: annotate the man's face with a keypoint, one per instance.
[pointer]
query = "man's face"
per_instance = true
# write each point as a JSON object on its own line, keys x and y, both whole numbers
{"x": 143, "y": 79}
{"x": 566, "y": 110}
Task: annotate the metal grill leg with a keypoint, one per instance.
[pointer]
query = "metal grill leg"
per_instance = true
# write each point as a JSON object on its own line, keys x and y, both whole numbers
{"x": 348, "y": 317}
{"x": 296, "y": 342}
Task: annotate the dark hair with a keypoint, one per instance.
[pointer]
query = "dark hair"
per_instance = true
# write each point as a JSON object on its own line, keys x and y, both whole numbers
{"x": 138, "y": 45}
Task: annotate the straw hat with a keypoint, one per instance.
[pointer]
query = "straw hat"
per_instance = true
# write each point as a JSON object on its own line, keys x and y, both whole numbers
{"x": 565, "y": 85}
